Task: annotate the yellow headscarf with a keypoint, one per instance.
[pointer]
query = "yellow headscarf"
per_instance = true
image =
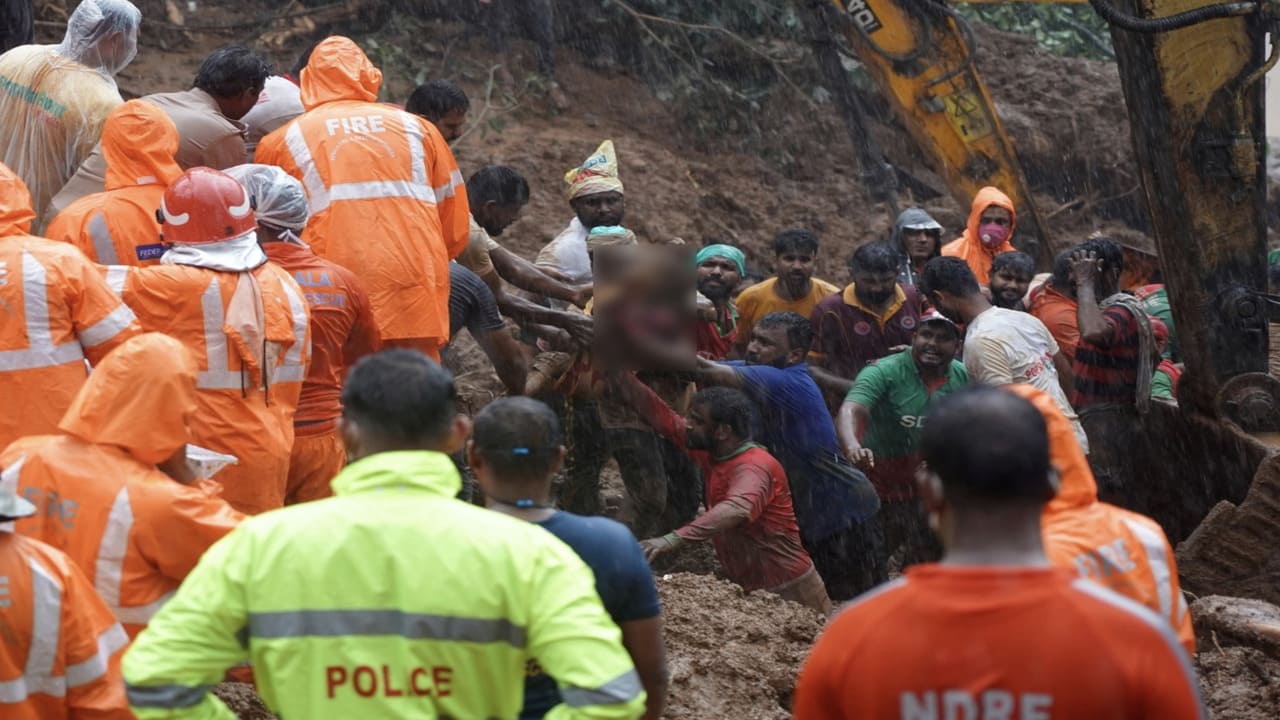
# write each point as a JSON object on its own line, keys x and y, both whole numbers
{"x": 598, "y": 174}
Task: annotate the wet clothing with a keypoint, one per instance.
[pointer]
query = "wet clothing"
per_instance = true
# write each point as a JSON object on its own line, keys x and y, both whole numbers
{"x": 316, "y": 458}
{"x": 279, "y": 102}
{"x": 908, "y": 539}
{"x": 206, "y": 138}
{"x": 1118, "y": 549}
{"x": 387, "y": 200}
{"x": 406, "y": 634}
{"x": 848, "y": 335}
{"x": 1155, "y": 301}
{"x": 52, "y": 110}
{"x": 624, "y": 582}
{"x": 1058, "y": 313}
{"x": 134, "y": 531}
{"x": 55, "y": 312}
{"x": 61, "y": 655}
{"x": 968, "y": 246}
{"x": 898, "y": 400}
{"x": 1003, "y": 347}
{"x": 1111, "y": 370}
{"x": 119, "y": 226}
{"x": 715, "y": 338}
{"x": 1033, "y": 641}
{"x": 471, "y": 304}
{"x": 476, "y": 255}
{"x": 1164, "y": 381}
{"x": 762, "y": 298}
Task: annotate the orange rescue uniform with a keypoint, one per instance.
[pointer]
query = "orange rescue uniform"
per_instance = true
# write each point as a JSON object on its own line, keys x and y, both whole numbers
{"x": 1114, "y": 547}
{"x": 996, "y": 642}
{"x": 60, "y": 658}
{"x": 342, "y": 331}
{"x": 119, "y": 226}
{"x": 134, "y": 531}
{"x": 244, "y": 410}
{"x": 968, "y": 247}
{"x": 387, "y": 201}
{"x": 55, "y": 311}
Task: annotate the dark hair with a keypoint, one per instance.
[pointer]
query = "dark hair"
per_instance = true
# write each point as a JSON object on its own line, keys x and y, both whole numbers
{"x": 499, "y": 184}
{"x": 988, "y": 445}
{"x": 519, "y": 437}
{"x": 1062, "y": 269}
{"x": 1018, "y": 263}
{"x": 950, "y": 275}
{"x": 795, "y": 240}
{"x": 726, "y": 406}
{"x": 799, "y": 330}
{"x": 400, "y": 395}
{"x": 874, "y": 257}
{"x": 433, "y": 100}
{"x": 232, "y": 71}
{"x": 304, "y": 58}
{"x": 1107, "y": 250}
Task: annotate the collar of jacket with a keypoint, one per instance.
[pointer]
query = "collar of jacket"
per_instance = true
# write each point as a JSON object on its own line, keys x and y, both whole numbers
{"x": 422, "y": 470}
{"x": 239, "y": 254}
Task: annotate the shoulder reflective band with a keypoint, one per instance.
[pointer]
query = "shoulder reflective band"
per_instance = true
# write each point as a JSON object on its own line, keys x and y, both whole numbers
{"x": 40, "y": 351}
{"x": 618, "y": 690}
{"x": 412, "y": 626}
{"x": 104, "y": 246}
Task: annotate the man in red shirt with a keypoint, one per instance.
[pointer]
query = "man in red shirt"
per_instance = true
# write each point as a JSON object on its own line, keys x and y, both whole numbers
{"x": 343, "y": 329}
{"x": 994, "y": 631}
{"x": 1111, "y": 363}
{"x": 749, "y": 518}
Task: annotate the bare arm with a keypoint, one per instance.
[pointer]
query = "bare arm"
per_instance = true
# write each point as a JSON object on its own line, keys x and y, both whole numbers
{"x": 1089, "y": 318}
{"x": 643, "y": 641}
{"x": 578, "y": 326}
{"x": 851, "y": 422}
{"x": 1066, "y": 376}
{"x": 710, "y": 372}
{"x": 829, "y": 382}
{"x": 504, "y": 352}
{"x": 527, "y": 276}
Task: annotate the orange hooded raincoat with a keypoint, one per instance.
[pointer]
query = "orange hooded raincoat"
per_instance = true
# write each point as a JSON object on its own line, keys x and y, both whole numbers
{"x": 387, "y": 200}
{"x": 248, "y": 330}
{"x": 55, "y": 310}
{"x": 133, "y": 530}
{"x": 968, "y": 247}
{"x": 1120, "y": 550}
{"x": 119, "y": 226}
{"x": 60, "y": 659}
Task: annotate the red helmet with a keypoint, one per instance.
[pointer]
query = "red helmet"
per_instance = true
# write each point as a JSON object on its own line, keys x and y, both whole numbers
{"x": 205, "y": 206}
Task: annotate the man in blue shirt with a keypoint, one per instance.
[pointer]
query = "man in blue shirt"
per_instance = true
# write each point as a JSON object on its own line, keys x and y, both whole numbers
{"x": 835, "y": 504}
{"x": 516, "y": 448}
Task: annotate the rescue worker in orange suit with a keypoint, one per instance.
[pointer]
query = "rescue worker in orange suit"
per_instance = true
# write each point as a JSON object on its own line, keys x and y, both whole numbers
{"x": 55, "y": 311}
{"x": 1116, "y": 548}
{"x": 992, "y": 220}
{"x": 387, "y": 200}
{"x": 119, "y": 226}
{"x": 60, "y": 659}
{"x": 244, "y": 320}
{"x": 101, "y": 484}
{"x": 342, "y": 327}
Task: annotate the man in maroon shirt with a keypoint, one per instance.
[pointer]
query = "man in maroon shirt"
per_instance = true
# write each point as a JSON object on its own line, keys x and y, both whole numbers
{"x": 749, "y": 518}
{"x": 873, "y": 317}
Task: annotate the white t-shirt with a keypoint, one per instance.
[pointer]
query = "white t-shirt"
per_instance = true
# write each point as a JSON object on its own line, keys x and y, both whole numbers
{"x": 1003, "y": 347}
{"x": 568, "y": 253}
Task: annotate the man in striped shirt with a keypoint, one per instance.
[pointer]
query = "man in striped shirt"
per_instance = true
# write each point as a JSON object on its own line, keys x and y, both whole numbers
{"x": 1111, "y": 362}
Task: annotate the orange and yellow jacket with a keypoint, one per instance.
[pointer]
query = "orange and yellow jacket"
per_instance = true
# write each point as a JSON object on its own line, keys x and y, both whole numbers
{"x": 249, "y": 373}
{"x": 55, "y": 311}
{"x": 1116, "y": 548}
{"x": 133, "y": 530}
{"x": 60, "y": 659}
{"x": 387, "y": 200}
{"x": 968, "y": 247}
{"x": 119, "y": 226}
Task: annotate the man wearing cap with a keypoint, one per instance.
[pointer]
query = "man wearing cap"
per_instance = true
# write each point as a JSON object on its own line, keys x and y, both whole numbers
{"x": 880, "y": 422}
{"x": 595, "y": 194}
{"x": 59, "y": 664}
{"x": 720, "y": 267}
{"x": 916, "y": 239}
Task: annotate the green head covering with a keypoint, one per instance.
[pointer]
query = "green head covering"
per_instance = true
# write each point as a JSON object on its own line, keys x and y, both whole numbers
{"x": 724, "y": 251}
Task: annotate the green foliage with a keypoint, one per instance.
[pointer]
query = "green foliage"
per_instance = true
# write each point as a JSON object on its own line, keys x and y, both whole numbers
{"x": 1071, "y": 30}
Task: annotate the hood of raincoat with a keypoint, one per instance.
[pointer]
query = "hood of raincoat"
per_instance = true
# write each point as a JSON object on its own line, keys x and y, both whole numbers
{"x": 139, "y": 143}
{"x": 138, "y": 398}
{"x": 103, "y": 35}
{"x": 985, "y": 198}
{"x": 1076, "y": 486}
{"x": 15, "y": 204}
{"x": 916, "y": 219}
{"x": 339, "y": 70}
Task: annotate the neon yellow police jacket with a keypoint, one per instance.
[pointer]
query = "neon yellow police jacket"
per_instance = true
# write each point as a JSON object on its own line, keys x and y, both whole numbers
{"x": 389, "y": 600}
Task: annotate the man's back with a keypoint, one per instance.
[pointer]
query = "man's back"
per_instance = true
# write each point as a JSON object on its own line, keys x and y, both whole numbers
{"x": 987, "y": 642}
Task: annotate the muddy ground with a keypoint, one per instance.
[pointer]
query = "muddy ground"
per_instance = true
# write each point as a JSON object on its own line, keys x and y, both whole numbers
{"x": 731, "y": 655}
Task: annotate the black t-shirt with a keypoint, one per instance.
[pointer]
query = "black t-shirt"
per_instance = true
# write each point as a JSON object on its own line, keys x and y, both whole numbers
{"x": 471, "y": 303}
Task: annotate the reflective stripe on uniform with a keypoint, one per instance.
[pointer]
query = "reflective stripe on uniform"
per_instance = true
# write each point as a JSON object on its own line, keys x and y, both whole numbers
{"x": 317, "y": 193}
{"x": 217, "y": 375}
{"x": 141, "y": 614}
{"x": 42, "y": 654}
{"x": 417, "y": 149}
{"x": 618, "y": 690}
{"x": 411, "y": 626}
{"x": 9, "y": 485}
{"x": 448, "y": 191}
{"x": 108, "y": 568}
{"x": 165, "y": 696}
{"x": 84, "y": 672}
{"x": 1153, "y": 543}
{"x": 41, "y": 352}
{"x": 293, "y": 369}
{"x": 116, "y": 277}
{"x": 116, "y": 322}
{"x": 104, "y": 247}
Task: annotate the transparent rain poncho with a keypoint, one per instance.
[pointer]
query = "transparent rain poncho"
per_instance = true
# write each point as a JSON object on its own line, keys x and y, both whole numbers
{"x": 280, "y": 200}
{"x": 54, "y": 99}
